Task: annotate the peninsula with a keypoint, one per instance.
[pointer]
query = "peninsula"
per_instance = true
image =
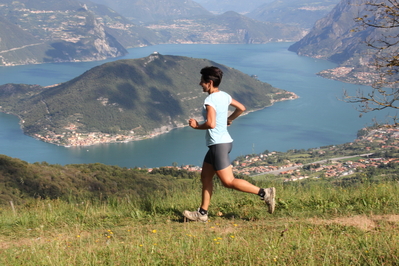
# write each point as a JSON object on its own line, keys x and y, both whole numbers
{"x": 126, "y": 100}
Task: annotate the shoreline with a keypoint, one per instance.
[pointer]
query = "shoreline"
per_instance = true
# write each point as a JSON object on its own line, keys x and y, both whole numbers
{"x": 97, "y": 138}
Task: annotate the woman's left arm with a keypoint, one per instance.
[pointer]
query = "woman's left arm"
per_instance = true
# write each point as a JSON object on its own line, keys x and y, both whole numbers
{"x": 240, "y": 108}
{"x": 210, "y": 120}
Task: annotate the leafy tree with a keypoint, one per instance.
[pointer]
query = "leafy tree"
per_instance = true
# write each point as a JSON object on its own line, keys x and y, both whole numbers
{"x": 383, "y": 16}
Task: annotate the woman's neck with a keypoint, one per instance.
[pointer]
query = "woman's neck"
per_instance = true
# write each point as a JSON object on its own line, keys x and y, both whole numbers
{"x": 213, "y": 90}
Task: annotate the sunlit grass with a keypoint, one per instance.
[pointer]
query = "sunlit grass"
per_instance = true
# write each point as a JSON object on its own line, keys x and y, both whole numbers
{"x": 313, "y": 225}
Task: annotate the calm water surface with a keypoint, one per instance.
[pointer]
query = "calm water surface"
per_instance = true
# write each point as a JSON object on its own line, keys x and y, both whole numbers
{"x": 316, "y": 119}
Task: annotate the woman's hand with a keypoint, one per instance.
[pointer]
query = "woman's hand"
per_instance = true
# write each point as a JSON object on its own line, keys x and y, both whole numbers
{"x": 193, "y": 123}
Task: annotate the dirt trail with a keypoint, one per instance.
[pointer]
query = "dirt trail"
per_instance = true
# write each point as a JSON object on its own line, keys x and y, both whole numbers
{"x": 363, "y": 222}
{"x": 360, "y": 221}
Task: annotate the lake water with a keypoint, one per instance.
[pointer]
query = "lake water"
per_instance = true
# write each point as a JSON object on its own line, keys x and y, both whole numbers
{"x": 317, "y": 118}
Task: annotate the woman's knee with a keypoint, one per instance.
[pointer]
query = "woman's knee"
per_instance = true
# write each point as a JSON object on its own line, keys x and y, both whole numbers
{"x": 228, "y": 183}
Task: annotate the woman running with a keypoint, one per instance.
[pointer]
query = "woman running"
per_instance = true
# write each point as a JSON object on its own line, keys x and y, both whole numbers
{"x": 219, "y": 142}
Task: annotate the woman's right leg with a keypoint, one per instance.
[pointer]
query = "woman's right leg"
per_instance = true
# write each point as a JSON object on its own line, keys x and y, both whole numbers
{"x": 207, "y": 175}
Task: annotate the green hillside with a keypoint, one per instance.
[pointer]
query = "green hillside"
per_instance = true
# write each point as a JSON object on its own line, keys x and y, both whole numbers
{"x": 21, "y": 181}
{"x": 132, "y": 98}
{"x": 316, "y": 222}
{"x": 94, "y": 214}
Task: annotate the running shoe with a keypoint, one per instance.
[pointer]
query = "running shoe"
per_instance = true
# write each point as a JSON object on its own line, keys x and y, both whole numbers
{"x": 195, "y": 216}
{"x": 269, "y": 198}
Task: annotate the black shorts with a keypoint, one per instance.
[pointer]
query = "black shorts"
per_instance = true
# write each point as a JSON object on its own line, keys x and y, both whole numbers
{"x": 218, "y": 155}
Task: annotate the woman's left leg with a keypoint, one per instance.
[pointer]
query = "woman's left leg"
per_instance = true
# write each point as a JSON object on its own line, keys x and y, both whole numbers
{"x": 228, "y": 180}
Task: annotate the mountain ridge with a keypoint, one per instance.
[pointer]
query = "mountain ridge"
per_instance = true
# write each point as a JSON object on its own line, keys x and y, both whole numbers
{"x": 339, "y": 38}
{"x": 148, "y": 11}
{"x": 301, "y": 13}
{"x": 79, "y": 30}
{"x": 229, "y": 27}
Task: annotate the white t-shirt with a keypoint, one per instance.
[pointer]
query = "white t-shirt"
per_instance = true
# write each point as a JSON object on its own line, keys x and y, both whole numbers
{"x": 220, "y": 101}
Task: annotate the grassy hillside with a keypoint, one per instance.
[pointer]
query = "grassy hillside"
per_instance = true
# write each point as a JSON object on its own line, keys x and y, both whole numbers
{"x": 130, "y": 97}
{"x": 106, "y": 215}
{"x": 315, "y": 223}
{"x": 21, "y": 181}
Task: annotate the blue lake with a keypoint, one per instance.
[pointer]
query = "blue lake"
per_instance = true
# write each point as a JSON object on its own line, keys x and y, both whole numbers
{"x": 317, "y": 118}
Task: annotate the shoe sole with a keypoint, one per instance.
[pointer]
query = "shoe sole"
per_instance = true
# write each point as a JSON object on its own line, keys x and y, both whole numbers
{"x": 187, "y": 219}
{"x": 272, "y": 203}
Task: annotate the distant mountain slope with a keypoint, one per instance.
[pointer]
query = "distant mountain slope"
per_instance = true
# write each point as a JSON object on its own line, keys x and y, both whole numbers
{"x": 301, "y": 13}
{"x": 67, "y": 31}
{"x": 239, "y": 6}
{"x": 19, "y": 45}
{"x": 334, "y": 36}
{"x": 131, "y": 98}
{"x": 35, "y": 32}
{"x": 179, "y": 21}
{"x": 338, "y": 38}
{"x": 148, "y": 11}
{"x": 229, "y": 27}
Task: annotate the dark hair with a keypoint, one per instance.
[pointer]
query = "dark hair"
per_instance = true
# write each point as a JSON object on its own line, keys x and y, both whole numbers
{"x": 212, "y": 73}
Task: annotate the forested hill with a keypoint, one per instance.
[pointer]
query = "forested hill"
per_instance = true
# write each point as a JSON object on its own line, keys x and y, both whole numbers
{"x": 126, "y": 100}
{"x": 20, "y": 181}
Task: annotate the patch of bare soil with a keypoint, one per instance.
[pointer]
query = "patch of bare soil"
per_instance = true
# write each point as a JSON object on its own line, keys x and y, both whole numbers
{"x": 362, "y": 222}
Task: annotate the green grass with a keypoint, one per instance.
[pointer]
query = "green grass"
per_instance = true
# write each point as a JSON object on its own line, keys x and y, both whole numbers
{"x": 315, "y": 223}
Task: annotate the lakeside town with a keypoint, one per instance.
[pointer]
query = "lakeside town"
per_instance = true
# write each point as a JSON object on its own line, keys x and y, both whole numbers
{"x": 381, "y": 138}
{"x": 350, "y": 75}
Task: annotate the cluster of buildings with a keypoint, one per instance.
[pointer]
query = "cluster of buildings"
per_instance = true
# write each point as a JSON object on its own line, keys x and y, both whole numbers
{"x": 349, "y": 74}
{"x": 338, "y": 169}
{"x": 74, "y": 138}
{"x": 382, "y": 138}
{"x": 84, "y": 139}
{"x": 252, "y": 165}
